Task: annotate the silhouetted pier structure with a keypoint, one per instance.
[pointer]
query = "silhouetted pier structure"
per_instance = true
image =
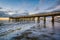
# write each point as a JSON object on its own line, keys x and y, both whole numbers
{"x": 34, "y": 16}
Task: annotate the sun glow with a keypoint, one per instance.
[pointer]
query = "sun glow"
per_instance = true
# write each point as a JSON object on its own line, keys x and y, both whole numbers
{"x": 2, "y": 18}
{"x": 31, "y": 13}
{"x": 10, "y": 13}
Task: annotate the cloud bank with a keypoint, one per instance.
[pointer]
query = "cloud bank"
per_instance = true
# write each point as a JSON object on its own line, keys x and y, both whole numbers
{"x": 56, "y": 6}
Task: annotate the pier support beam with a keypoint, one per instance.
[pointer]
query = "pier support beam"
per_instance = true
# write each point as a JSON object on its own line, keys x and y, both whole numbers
{"x": 9, "y": 19}
{"x": 52, "y": 20}
{"x": 44, "y": 22}
{"x": 53, "y": 24}
{"x": 38, "y": 19}
{"x": 33, "y": 19}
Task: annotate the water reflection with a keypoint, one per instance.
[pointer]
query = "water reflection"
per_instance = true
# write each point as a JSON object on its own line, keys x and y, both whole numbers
{"x": 44, "y": 24}
{"x": 53, "y": 26}
{"x": 36, "y": 32}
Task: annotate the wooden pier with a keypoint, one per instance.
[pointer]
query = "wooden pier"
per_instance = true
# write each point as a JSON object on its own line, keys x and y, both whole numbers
{"x": 34, "y": 16}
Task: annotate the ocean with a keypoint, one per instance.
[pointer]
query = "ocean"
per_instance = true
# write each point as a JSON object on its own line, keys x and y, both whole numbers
{"x": 29, "y": 30}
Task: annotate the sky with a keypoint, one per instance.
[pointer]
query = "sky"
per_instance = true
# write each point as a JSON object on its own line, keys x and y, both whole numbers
{"x": 31, "y": 6}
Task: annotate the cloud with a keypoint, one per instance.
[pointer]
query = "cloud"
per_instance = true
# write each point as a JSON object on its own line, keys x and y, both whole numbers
{"x": 1, "y": 8}
{"x": 54, "y": 8}
{"x": 57, "y": 3}
{"x": 8, "y": 11}
{"x": 57, "y": 7}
